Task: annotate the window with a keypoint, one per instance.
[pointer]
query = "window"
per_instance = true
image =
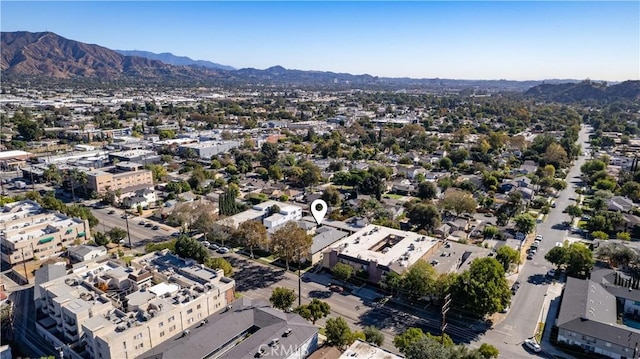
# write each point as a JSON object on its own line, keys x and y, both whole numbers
{"x": 160, "y": 325}
{"x": 172, "y": 328}
{"x": 189, "y": 311}
{"x": 138, "y": 336}
{"x": 124, "y": 344}
{"x": 199, "y": 315}
{"x": 199, "y": 306}
{"x": 161, "y": 334}
{"x": 172, "y": 318}
{"x": 190, "y": 320}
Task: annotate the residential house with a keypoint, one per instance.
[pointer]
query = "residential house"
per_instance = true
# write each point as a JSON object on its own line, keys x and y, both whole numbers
{"x": 620, "y": 204}
{"x": 324, "y": 238}
{"x": 83, "y": 253}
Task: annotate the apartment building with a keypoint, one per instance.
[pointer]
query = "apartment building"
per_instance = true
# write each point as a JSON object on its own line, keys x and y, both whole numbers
{"x": 105, "y": 310}
{"x": 28, "y": 233}
{"x": 122, "y": 176}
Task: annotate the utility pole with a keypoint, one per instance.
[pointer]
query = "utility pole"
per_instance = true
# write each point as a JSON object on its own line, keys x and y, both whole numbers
{"x": 24, "y": 263}
{"x": 299, "y": 277}
{"x": 126, "y": 219}
{"x": 445, "y": 309}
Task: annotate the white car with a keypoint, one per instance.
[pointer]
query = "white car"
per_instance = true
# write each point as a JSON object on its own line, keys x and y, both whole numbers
{"x": 206, "y": 244}
{"x": 551, "y": 273}
{"x": 531, "y": 344}
{"x": 223, "y": 250}
{"x": 539, "y": 237}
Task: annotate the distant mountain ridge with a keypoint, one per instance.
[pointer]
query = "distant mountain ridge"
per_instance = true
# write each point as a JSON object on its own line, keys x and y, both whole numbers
{"x": 585, "y": 91}
{"x": 169, "y": 58}
{"x": 50, "y": 55}
{"x": 44, "y": 56}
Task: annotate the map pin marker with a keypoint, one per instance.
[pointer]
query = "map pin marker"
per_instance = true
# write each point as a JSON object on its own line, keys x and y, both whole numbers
{"x": 318, "y": 210}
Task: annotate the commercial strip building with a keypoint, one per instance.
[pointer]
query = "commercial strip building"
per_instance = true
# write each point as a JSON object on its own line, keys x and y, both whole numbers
{"x": 28, "y": 233}
{"x": 378, "y": 250}
{"x": 104, "y": 310}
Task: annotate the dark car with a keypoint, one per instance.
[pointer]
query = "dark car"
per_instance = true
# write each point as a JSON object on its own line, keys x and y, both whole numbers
{"x": 515, "y": 287}
{"x": 306, "y": 279}
{"x": 156, "y": 227}
{"x": 149, "y": 224}
{"x": 112, "y": 211}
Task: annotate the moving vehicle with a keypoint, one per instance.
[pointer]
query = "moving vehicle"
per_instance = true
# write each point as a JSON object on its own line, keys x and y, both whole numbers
{"x": 532, "y": 345}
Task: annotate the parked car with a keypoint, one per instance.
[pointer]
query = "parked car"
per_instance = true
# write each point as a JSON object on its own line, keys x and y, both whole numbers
{"x": 551, "y": 273}
{"x": 112, "y": 211}
{"x": 206, "y": 244}
{"x": 336, "y": 288}
{"x": 142, "y": 223}
{"x": 515, "y": 287}
{"x": 149, "y": 224}
{"x": 532, "y": 345}
{"x": 530, "y": 256}
{"x": 505, "y": 309}
{"x": 223, "y": 250}
{"x": 539, "y": 238}
{"x": 214, "y": 246}
{"x": 175, "y": 234}
{"x": 156, "y": 227}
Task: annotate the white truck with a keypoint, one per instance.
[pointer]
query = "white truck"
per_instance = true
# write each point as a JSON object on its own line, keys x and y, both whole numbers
{"x": 20, "y": 184}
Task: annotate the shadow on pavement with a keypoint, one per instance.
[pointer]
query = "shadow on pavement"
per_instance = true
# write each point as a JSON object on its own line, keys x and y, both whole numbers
{"x": 249, "y": 275}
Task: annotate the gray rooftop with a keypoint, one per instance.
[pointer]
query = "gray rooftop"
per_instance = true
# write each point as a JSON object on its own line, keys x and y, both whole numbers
{"x": 218, "y": 338}
{"x": 326, "y": 236}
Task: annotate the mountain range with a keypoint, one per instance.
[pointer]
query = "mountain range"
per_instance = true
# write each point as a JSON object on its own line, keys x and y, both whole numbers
{"x": 171, "y": 59}
{"x": 46, "y": 56}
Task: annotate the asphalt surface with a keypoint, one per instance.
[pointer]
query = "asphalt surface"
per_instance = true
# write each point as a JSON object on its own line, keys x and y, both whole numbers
{"x": 140, "y": 235}
{"x": 522, "y": 319}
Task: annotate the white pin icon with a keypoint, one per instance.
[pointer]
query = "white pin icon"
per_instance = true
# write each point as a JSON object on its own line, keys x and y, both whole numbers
{"x": 318, "y": 214}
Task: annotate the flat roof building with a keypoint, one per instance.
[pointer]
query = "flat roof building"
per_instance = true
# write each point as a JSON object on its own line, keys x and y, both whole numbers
{"x": 27, "y": 233}
{"x": 104, "y": 310}
{"x": 379, "y": 250}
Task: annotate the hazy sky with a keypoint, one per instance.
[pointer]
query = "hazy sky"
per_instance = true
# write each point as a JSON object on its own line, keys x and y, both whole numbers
{"x": 465, "y": 40}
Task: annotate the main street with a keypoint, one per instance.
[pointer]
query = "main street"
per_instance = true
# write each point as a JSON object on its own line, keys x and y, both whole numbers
{"x": 522, "y": 320}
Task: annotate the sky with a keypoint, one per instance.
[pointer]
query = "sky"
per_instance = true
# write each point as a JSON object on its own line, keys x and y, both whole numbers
{"x": 512, "y": 40}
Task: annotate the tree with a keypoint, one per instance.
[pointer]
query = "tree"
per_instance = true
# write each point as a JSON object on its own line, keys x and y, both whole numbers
{"x": 579, "y": 260}
{"x": 409, "y": 336}
{"x": 101, "y": 238}
{"x": 490, "y": 231}
{"x": 269, "y": 152}
{"x": 557, "y": 256}
{"x": 116, "y": 234}
{"x": 573, "y": 211}
{"x": 187, "y": 247}
{"x": 488, "y": 351}
{"x": 420, "y": 279}
{"x": 290, "y": 242}
{"x": 252, "y": 234}
{"x": 459, "y": 202}
{"x": 342, "y": 271}
{"x": 393, "y": 282}
{"x": 600, "y": 235}
{"x": 315, "y": 310}
{"x": 373, "y": 335}
{"x": 483, "y": 288}
{"x": 282, "y": 298}
{"x": 445, "y": 163}
{"x": 524, "y": 223}
{"x": 338, "y": 332}
{"x": 507, "y": 256}
{"x": 220, "y": 263}
{"x": 424, "y": 216}
{"x": 227, "y": 202}
{"x": 556, "y": 155}
{"x": 426, "y": 190}
{"x": 331, "y": 195}
{"x": 427, "y": 348}
{"x": 275, "y": 172}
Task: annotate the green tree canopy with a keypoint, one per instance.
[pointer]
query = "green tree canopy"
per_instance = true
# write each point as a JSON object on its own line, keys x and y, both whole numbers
{"x": 483, "y": 288}
{"x": 524, "y": 223}
{"x": 282, "y": 298}
{"x": 338, "y": 332}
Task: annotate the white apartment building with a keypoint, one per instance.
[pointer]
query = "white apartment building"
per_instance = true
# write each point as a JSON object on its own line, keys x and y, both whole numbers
{"x": 28, "y": 233}
{"x": 105, "y": 311}
{"x": 262, "y": 212}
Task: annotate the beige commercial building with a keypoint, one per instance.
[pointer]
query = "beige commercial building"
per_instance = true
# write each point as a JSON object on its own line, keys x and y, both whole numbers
{"x": 103, "y": 181}
{"x": 28, "y": 233}
{"x": 108, "y": 311}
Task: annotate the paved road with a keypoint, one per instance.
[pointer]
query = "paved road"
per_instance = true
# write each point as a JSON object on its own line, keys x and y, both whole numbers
{"x": 522, "y": 320}
{"x": 140, "y": 235}
{"x": 30, "y": 343}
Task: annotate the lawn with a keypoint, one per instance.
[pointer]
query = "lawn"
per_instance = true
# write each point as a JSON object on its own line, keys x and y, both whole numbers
{"x": 393, "y": 196}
